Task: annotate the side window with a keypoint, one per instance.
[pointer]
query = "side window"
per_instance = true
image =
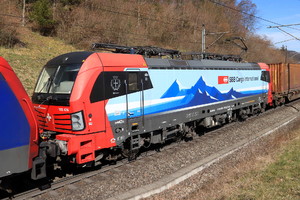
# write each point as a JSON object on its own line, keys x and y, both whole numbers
{"x": 146, "y": 81}
{"x": 268, "y": 79}
{"x": 133, "y": 84}
{"x": 97, "y": 93}
{"x": 138, "y": 81}
{"x": 108, "y": 85}
{"x": 112, "y": 84}
{"x": 265, "y": 76}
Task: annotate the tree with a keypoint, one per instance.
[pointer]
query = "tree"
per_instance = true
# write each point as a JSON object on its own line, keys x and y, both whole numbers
{"x": 8, "y": 35}
{"x": 41, "y": 14}
{"x": 248, "y": 13}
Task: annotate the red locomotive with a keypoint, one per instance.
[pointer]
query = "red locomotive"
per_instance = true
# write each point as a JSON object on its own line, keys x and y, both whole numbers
{"x": 94, "y": 106}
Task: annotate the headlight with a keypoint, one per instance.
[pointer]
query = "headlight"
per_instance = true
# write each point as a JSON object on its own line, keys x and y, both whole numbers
{"x": 77, "y": 121}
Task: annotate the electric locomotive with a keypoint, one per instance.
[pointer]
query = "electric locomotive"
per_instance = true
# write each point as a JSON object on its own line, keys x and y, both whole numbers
{"x": 94, "y": 106}
{"x": 19, "y": 130}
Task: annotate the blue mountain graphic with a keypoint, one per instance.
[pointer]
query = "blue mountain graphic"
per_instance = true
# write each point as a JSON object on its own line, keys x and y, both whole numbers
{"x": 198, "y": 98}
{"x": 212, "y": 91}
{"x": 235, "y": 94}
{"x": 200, "y": 93}
{"x": 173, "y": 90}
{"x": 200, "y": 84}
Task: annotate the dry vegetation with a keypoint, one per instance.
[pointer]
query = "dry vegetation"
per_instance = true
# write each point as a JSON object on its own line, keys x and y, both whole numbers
{"x": 270, "y": 170}
{"x": 28, "y": 61}
{"x": 173, "y": 24}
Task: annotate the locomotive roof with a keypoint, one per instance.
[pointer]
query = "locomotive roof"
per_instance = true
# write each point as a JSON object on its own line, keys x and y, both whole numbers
{"x": 154, "y": 63}
{"x": 158, "y": 63}
{"x": 70, "y": 58}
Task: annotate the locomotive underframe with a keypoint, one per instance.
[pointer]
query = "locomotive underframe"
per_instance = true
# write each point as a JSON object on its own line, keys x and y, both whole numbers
{"x": 281, "y": 98}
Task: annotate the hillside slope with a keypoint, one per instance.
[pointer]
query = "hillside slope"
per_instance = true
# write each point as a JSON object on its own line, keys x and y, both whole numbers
{"x": 168, "y": 24}
{"x": 28, "y": 61}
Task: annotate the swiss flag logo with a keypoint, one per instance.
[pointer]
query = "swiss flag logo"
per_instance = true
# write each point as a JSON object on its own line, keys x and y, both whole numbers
{"x": 222, "y": 79}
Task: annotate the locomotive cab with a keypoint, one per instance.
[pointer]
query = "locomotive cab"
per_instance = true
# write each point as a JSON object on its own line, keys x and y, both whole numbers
{"x": 70, "y": 99}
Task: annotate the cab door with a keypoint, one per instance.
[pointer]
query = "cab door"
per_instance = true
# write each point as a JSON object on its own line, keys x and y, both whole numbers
{"x": 134, "y": 88}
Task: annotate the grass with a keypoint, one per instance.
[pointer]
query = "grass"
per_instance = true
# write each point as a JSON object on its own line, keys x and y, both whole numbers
{"x": 279, "y": 180}
{"x": 28, "y": 61}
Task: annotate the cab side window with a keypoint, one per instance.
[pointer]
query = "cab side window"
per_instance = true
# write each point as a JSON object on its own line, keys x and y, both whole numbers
{"x": 133, "y": 82}
{"x": 114, "y": 84}
{"x": 265, "y": 76}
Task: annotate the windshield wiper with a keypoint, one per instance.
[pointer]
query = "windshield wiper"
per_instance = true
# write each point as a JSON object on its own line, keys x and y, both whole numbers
{"x": 47, "y": 86}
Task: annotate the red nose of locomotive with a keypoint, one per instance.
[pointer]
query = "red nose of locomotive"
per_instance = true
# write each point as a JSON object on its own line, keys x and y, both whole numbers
{"x": 52, "y": 95}
{"x": 59, "y": 118}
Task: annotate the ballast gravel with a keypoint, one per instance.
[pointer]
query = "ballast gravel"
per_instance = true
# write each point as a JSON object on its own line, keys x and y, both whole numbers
{"x": 153, "y": 168}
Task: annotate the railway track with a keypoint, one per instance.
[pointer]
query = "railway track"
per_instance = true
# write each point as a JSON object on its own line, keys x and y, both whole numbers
{"x": 85, "y": 176}
{"x": 182, "y": 175}
{"x": 64, "y": 187}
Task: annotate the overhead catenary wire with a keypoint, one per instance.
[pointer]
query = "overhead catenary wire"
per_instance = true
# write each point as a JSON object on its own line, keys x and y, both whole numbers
{"x": 120, "y": 13}
{"x": 251, "y": 15}
{"x": 133, "y": 13}
{"x": 149, "y": 14}
{"x": 265, "y": 20}
{"x": 146, "y": 16}
{"x": 197, "y": 27}
{"x": 279, "y": 28}
{"x": 284, "y": 41}
{"x": 213, "y": 1}
{"x": 140, "y": 37}
{"x": 288, "y": 33}
{"x": 286, "y": 25}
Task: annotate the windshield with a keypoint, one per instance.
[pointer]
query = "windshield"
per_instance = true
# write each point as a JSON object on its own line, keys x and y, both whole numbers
{"x": 57, "y": 79}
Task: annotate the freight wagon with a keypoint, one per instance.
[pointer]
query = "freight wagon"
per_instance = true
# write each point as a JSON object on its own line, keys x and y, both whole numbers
{"x": 285, "y": 78}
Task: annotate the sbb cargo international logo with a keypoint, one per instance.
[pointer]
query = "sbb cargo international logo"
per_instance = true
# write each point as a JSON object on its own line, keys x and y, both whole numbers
{"x": 236, "y": 79}
{"x": 222, "y": 79}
